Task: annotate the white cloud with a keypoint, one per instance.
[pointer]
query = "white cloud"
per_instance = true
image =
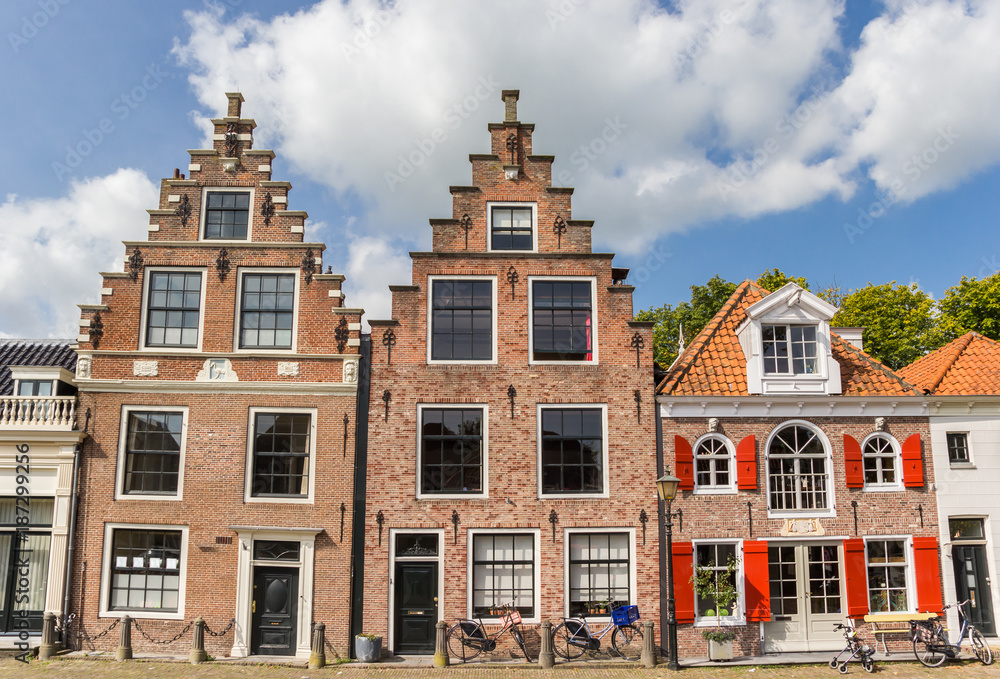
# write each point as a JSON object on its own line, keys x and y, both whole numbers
{"x": 53, "y": 249}
{"x": 372, "y": 265}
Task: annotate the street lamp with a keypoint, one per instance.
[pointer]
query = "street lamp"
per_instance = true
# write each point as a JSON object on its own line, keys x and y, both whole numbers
{"x": 666, "y": 488}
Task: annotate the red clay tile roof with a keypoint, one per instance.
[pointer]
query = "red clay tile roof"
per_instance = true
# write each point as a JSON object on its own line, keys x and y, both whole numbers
{"x": 968, "y": 365}
{"x": 714, "y": 364}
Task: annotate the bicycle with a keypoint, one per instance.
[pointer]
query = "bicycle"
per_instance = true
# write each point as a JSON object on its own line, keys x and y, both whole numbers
{"x": 931, "y": 645}
{"x": 572, "y": 636}
{"x": 856, "y": 648}
{"x": 468, "y": 638}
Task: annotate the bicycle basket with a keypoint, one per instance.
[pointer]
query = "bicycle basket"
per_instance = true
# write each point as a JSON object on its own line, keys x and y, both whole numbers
{"x": 625, "y": 615}
{"x": 924, "y": 630}
{"x": 514, "y": 615}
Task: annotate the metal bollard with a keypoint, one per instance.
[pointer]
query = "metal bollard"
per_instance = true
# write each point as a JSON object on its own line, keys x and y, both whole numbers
{"x": 648, "y": 654}
{"x": 317, "y": 655}
{"x": 198, "y": 654}
{"x": 440, "y": 647}
{"x": 47, "y": 649}
{"x": 546, "y": 657}
{"x": 124, "y": 650}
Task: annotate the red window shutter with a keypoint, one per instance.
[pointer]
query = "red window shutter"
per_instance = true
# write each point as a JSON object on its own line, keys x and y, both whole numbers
{"x": 683, "y": 565}
{"x": 927, "y": 567}
{"x": 746, "y": 465}
{"x": 854, "y": 470}
{"x": 856, "y": 575}
{"x": 757, "y": 591}
{"x": 913, "y": 465}
{"x": 684, "y": 459}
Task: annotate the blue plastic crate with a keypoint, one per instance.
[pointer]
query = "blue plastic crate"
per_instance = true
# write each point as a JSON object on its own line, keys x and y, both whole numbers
{"x": 625, "y": 615}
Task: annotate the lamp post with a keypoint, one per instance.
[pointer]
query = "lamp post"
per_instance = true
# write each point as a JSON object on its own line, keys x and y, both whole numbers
{"x": 666, "y": 488}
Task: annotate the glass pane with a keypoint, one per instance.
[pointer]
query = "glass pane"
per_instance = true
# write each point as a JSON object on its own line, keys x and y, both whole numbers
{"x": 966, "y": 529}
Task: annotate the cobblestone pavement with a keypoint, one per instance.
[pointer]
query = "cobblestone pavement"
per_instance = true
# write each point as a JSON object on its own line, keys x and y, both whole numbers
{"x": 109, "y": 669}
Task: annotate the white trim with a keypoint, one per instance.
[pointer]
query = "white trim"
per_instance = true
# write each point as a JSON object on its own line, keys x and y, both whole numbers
{"x": 219, "y": 387}
{"x": 789, "y": 406}
{"x": 485, "y": 493}
{"x": 729, "y": 620}
{"x": 241, "y": 272}
{"x": 632, "y": 570}
{"x": 252, "y": 413}
{"x": 831, "y": 494}
{"x": 593, "y": 319}
{"x": 605, "y": 464}
{"x": 511, "y": 204}
{"x": 393, "y": 532}
{"x": 715, "y": 490}
{"x": 897, "y": 465}
{"x": 103, "y": 608}
{"x": 431, "y": 279}
{"x": 536, "y": 572}
{"x": 911, "y": 592}
{"x": 144, "y": 307}
{"x": 120, "y": 493}
{"x": 40, "y": 373}
{"x": 203, "y": 213}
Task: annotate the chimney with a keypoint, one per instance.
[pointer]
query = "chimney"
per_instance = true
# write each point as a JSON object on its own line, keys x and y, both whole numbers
{"x": 852, "y": 335}
{"x": 510, "y": 105}
{"x": 235, "y": 104}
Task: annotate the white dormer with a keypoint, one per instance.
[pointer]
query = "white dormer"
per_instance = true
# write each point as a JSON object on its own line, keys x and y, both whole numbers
{"x": 786, "y": 342}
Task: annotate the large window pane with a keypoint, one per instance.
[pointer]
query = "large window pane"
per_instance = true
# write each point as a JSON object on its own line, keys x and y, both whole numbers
{"x": 503, "y": 570}
{"x": 511, "y": 229}
{"x": 173, "y": 309}
{"x": 598, "y": 571}
{"x": 797, "y": 471}
{"x": 281, "y": 450}
{"x": 562, "y": 321}
{"x": 145, "y": 570}
{"x": 227, "y": 215}
{"x": 266, "y": 312}
{"x": 451, "y": 450}
{"x": 152, "y": 452}
{"x": 461, "y": 320}
{"x": 572, "y": 450}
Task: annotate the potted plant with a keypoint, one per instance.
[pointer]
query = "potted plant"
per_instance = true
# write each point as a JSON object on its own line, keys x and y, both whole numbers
{"x": 368, "y": 647}
{"x": 719, "y": 587}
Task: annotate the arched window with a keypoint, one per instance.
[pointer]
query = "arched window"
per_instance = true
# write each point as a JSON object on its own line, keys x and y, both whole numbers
{"x": 713, "y": 464}
{"x": 881, "y": 461}
{"x": 798, "y": 470}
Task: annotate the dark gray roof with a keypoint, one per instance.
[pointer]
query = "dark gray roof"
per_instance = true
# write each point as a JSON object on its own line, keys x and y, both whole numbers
{"x": 42, "y": 353}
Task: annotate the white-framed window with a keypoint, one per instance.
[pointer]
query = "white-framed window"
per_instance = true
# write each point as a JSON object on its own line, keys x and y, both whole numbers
{"x": 462, "y": 319}
{"x": 144, "y": 571}
{"x": 562, "y": 320}
{"x": 505, "y": 567}
{"x": 714, "y": 465}
{"x": 281, "y": 455}
{"x": 227, "y": 213}
{"x": 790, "y": 349}
{"x": 889, "y": 564}
{"x": 511, "y": 226}
{"x": 799, "y": 471}
{"x": 715, "y": 555}
{"x": 452, "y": 450}
{"x": 572, "y": 450}
{"x": 882, "y": 462}
{"x": 173, "y": 304}
{"x": 151, "y": 452}
{"x": 959, "y": 454}
{"x": 600, "y": 570}
{"x": 267, "y": 309}
{"x": 35, "y": 387}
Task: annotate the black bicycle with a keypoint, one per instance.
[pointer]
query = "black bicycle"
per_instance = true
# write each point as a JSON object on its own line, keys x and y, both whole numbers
{"x": 468, "y": 638}
{"x": 931, "y": 645}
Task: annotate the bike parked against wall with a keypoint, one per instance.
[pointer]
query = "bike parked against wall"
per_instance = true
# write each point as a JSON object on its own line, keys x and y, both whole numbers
{"x": 468, "y": 638}
{"x": 572, "y": 636}
{"x": 931, "y": 645}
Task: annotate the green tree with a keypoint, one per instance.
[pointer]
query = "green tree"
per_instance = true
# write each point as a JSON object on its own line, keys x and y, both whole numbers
{"x": 773, "y": 279}
{"x": 973, "y": 304}
{"x": 899, "y": 320}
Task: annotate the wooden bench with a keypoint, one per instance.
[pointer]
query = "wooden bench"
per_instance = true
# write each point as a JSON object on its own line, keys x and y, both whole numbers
{"x": 893, "y": 623}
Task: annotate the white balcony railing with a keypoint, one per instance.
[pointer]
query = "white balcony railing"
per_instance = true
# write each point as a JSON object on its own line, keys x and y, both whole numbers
{"x": 37, "y": 412}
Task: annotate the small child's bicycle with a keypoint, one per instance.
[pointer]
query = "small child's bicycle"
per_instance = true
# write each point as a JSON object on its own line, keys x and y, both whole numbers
{"x": 855, "y": 649}
{"x": 468, "y": 638}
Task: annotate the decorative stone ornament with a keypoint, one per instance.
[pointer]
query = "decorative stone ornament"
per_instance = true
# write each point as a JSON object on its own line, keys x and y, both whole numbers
{"x": 795, "y": 527}
{"x": 350, "y": 370}
{"x": 145, "y": 368}
{"x": 288, "y": 368}
{"x": 217, "y": 370}
{"x": 83, "y": 368}
{"x": 713, "y": 424}
{"x": 880, "y": 424}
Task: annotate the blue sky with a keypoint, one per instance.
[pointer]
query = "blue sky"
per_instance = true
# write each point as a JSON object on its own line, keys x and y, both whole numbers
{"x": 745, "y": 134}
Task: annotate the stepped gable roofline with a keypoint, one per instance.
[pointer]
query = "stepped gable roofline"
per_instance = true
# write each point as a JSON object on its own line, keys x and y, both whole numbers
{"x": 965, "y": 366}
{"x": 54, "y": 353}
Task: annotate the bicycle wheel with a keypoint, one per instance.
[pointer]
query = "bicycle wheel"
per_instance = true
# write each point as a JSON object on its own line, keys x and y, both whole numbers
{"x": 928, "y": 654}
{"x": 980, "y": 647}
{"x": 463, "y": 641}
{"x": 567, "y": 643}
{"x": 519, "y": 638}
{"x": 627, "y": 640}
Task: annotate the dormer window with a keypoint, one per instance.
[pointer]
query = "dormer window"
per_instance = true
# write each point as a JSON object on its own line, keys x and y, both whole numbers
{"x": 512, "y": 227}
{"x": 227, "y": 215}
{"x": 790, "y": 346}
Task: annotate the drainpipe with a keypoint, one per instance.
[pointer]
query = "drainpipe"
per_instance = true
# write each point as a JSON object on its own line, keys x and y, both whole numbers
{"x": 356, "y": 619}
{"x": 70, "y": 548}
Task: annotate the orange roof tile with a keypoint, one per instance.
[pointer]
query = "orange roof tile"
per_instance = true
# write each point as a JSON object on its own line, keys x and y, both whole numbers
{"x": 967, "y": 365}
{"x": 714, "y": 364}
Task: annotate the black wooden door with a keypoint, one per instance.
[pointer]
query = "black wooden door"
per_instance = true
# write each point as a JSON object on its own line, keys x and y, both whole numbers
{"x": 972, "y": 582}
{"x": 416, "y": 604}
{"x": 274, "y": 610}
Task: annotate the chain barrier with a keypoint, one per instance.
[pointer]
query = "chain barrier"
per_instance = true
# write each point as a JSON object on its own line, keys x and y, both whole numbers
{"x": 223, "y": 631}
{"x": 135, "y": 623}
{"x": 90, "y": 639}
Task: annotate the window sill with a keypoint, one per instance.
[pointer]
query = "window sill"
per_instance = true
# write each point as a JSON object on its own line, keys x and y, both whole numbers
{"x": 141, "y": 615}
{"x": 280, "y": 500}
{"x": 961, "y": 465}
{"x": 573, "y": 496}
{"x": 711, "y": 490}
{"x": 725, "y": 622}
{"x": 534, "y": 362}
{"x": 883, "y": 489}
{"x": 155, "y": 498}
{"x": 800, "y": 514}
{"x": 479, "y": 361}
{"x": 452, "y": 496}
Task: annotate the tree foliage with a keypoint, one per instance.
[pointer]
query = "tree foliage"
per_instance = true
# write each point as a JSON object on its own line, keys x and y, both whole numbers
{"x": 774, "y": 279}
{"x": 973, "y": 304}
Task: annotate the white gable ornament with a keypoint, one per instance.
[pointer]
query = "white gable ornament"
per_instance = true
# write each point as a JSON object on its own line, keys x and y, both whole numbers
{"x": 217, "y": 370}
{"x": 350, "y": 370}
